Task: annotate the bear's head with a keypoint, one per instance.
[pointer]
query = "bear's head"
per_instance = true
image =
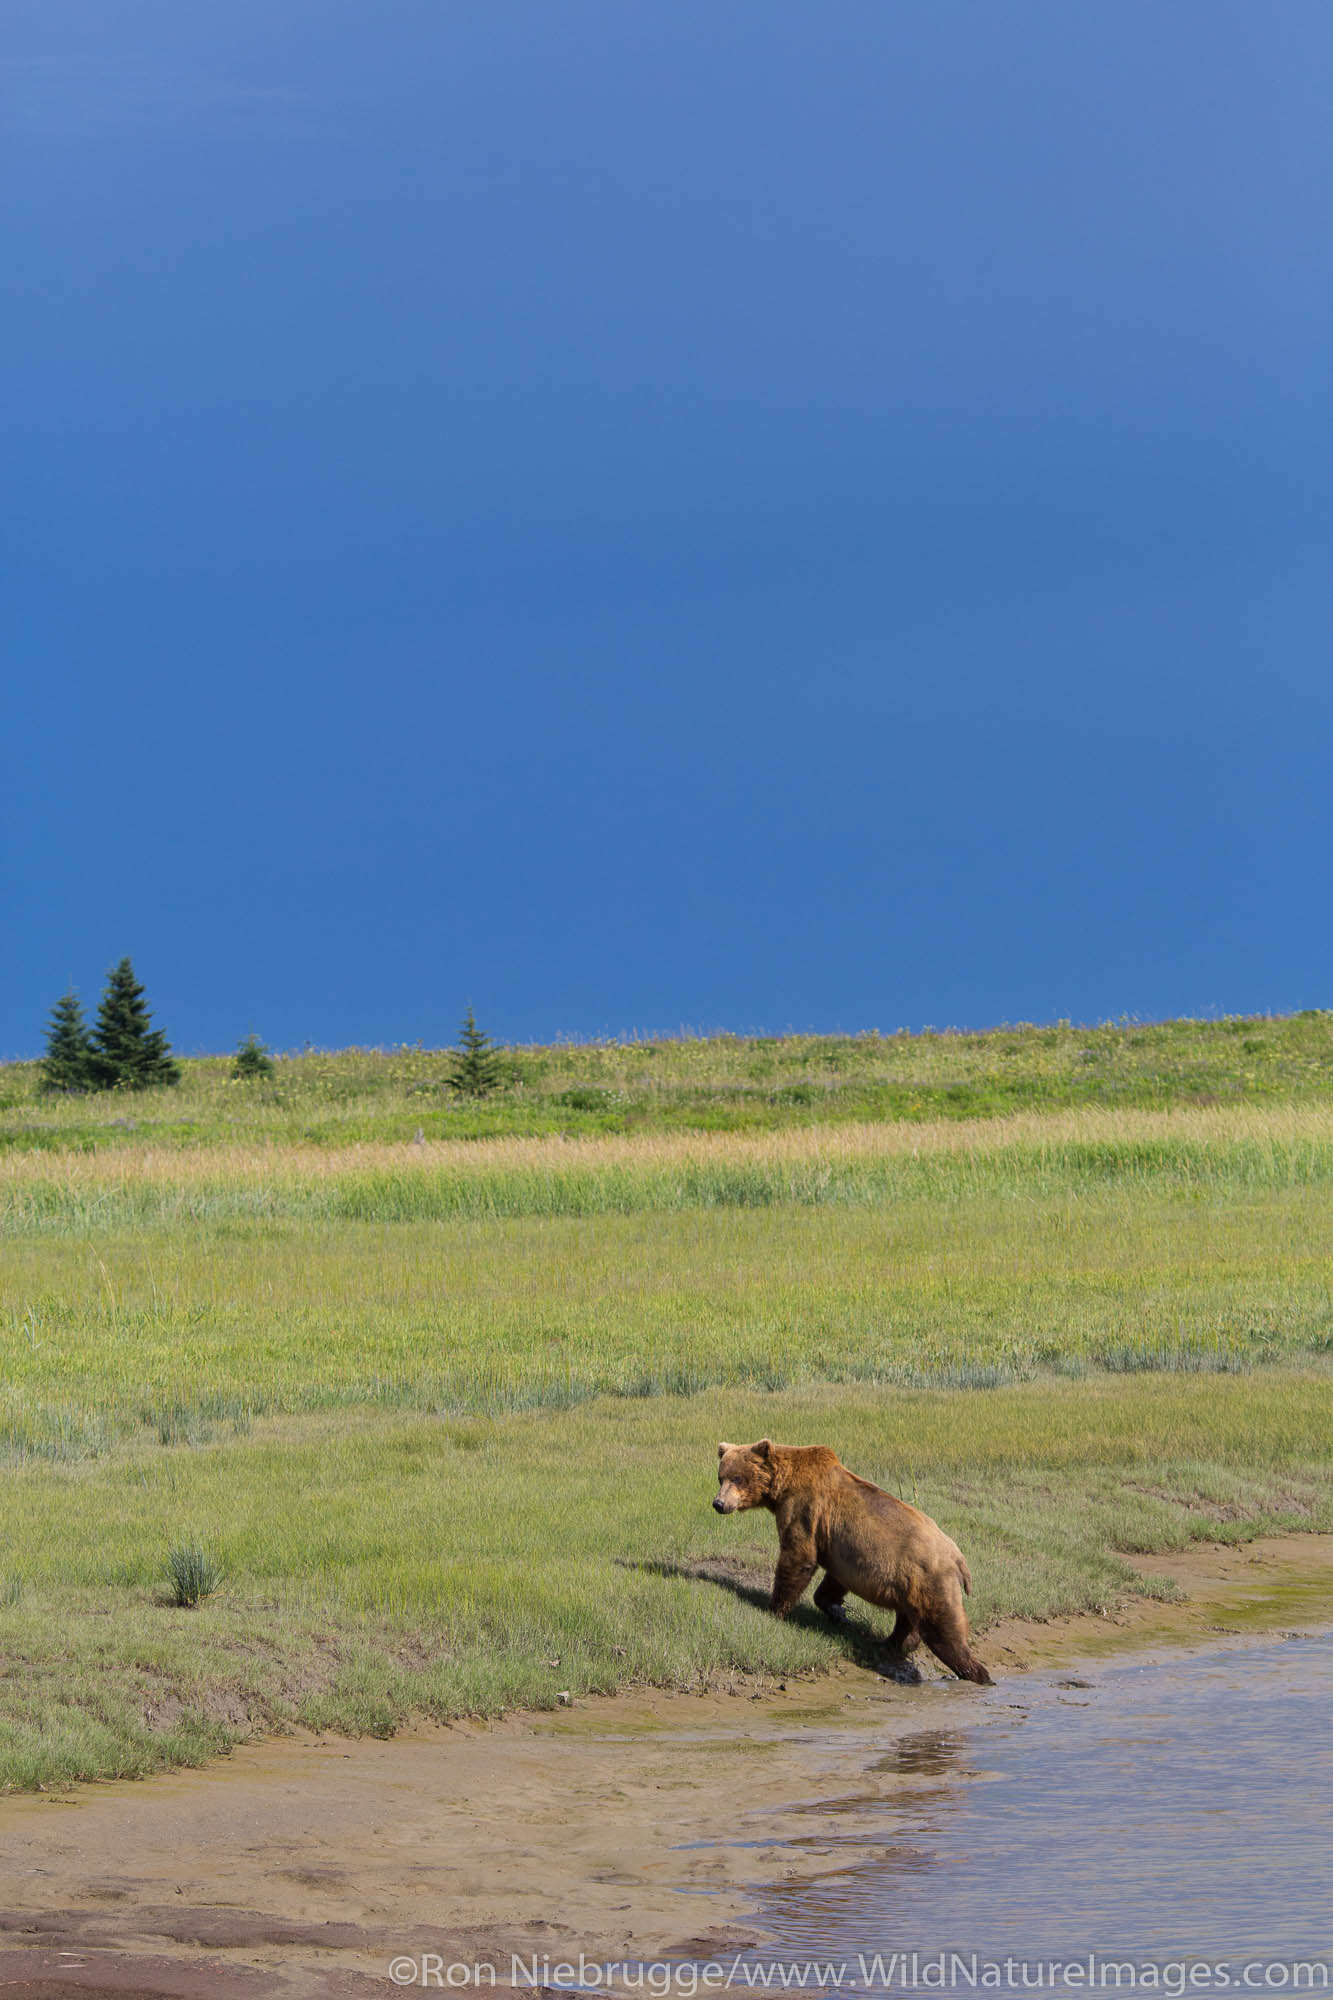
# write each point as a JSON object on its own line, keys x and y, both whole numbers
{"x": 744, "y": 1476}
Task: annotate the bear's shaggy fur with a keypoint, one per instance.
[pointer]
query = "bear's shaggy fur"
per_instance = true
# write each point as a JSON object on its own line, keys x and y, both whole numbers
{"x": 867, "y": 1542}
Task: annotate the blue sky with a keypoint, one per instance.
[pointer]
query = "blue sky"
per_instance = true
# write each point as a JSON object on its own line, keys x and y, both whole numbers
{"x": 739, "y": 515}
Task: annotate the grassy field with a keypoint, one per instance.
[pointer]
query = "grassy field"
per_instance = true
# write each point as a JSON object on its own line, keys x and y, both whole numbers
{"x": 445, "y": 1410}
{"x": 379, "y": 1563}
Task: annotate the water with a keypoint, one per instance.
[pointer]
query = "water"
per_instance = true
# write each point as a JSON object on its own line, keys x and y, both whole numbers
{"x": 1173, "y": 1810}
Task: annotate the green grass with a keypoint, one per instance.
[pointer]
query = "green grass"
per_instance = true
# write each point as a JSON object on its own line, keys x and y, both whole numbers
{"x": 445, "y": 1414}
{"x": 380, "y": 1564}
{"x": 192, "y": 1331}
{"x": 719, "y": 1082}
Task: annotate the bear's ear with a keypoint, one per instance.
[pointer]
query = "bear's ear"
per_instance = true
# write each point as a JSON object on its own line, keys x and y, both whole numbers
{"x": 722, "y": 1450}
{"x": 764, "y": 1448}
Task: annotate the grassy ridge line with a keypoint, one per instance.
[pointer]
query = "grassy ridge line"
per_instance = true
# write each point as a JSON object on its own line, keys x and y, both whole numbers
{"x": 1032, "y": 1157}
{"x": 721, "y": 1082}
{"x": 383, "y": 1564}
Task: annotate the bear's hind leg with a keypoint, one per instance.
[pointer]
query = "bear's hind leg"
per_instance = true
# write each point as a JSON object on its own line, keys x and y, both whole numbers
{"x": 947, "y": 1640}
{"x": 829, "y": 1596}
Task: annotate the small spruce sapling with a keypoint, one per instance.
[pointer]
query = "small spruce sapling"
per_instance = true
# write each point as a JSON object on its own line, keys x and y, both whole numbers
{"x": 478, "y": 1065}
{"x": 252, "y": 1059}
{"x": 69, "y": 1064}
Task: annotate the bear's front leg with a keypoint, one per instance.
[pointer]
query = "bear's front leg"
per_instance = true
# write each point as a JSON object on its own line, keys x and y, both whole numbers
{"x": 797, "y": 1563}
{"x": 828, "y": 1599}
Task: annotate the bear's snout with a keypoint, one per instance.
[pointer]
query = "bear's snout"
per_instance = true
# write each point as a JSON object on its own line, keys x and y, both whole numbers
{"x": 719, "y": 1505}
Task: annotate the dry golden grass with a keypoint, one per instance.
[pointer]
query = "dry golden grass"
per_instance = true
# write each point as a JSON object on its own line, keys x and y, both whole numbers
{"x": 1282, "y": 1125}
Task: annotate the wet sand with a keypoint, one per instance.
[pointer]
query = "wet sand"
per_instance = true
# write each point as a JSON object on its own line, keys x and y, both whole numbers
{"x": 642, "y": 1825}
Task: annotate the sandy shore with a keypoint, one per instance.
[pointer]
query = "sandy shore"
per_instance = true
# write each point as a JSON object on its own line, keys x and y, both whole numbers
{"x": 641, "y": 1825}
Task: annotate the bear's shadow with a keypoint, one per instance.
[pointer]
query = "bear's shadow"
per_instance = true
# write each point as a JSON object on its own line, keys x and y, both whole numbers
{"x": 860, "y": 1642}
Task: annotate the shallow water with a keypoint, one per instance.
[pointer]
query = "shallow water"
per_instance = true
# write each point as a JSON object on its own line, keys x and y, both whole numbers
{"x": 1170, "y": 1809}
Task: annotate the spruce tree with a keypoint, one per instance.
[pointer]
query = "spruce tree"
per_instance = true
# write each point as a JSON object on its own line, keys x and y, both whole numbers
{"x": 128, "y": 1054}
{"x": 252, "y": 1059}
{"x": 69, "y": 1064}
{"x": 478, "y": 1065}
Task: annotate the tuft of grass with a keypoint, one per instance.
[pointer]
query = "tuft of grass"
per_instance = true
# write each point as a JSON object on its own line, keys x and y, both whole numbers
{"x": 1172, "y": 1356}
{"x": 194, "y": 1421}
{"x": 178, "y": 1423}
{"x": 58, "y": 1433}
{"x": 193, "y": 1573}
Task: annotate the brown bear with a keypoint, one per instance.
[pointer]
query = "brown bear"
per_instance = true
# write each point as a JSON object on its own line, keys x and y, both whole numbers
{"x": 868, "y": 1543}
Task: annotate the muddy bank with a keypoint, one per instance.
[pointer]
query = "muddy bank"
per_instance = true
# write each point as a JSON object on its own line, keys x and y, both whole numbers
{"x": 1255, "y": 1587}
{"x": 641, "y": 1826}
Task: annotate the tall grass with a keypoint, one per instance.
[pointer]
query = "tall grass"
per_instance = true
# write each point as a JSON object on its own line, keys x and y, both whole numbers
{"x": 1027, "y": 1158}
